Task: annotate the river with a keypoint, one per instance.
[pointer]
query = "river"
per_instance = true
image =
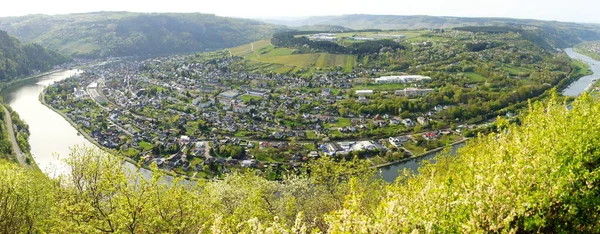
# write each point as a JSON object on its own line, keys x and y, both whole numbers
{"x": 390, "y": 173}
{"x": 581, "y": 85}
{"x": 52, "y": 137}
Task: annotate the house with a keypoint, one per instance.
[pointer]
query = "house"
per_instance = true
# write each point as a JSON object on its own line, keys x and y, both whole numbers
{"x": 258, "y": 93}
{"x": 430, "y": 135}
{"x": 79, "y": 93}
{"x": 397, "y": 141}
{"x": 413, "y": 92}
{"x": 422, "y": 120}
{"x": 229, "y": 95}
{"x": 408, "y": 122}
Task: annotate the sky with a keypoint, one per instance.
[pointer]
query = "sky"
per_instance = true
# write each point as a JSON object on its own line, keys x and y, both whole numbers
{"x": 560, "y": 10}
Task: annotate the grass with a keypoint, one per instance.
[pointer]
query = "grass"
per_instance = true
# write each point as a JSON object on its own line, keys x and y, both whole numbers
{"x": 246, "y": 50}
{"x": 515, "y": 71}
{"x": 310, "y": 147}
{"x": 131, "y": 152}
{"x": 247, "y": 98}
{"x": 449, "y": 139}
{"x": 343, "y": 122}
{"x": 81, "y": 47}
{"x": 145, "y": 145}
{"x": 580, "y": 69}
{"x": 311, "y": 135}
{"x": 415, "y": 149}
{"x": 282, "y": 60}
{"x": 335, "y": 133}
{"x": 475, "y": 77}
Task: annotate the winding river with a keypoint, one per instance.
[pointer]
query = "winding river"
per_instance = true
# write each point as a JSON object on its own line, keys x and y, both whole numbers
{"x": 390, "y": 173}
{"x": 52, "y": 137}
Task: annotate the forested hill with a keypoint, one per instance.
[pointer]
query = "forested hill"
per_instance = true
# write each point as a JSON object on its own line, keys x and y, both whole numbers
{"x": 18, "y": 60}
{"x": 122, "y": 33}
{"x": 561, "y": 34}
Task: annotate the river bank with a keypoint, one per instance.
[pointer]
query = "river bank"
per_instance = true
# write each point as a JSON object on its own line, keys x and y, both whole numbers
{"x": 26, "y": 79}
{"x": 93, "y": 141}
{"x": 421, "y": 155}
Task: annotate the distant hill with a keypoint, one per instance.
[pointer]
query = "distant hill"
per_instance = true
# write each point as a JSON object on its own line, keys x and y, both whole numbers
{"x": 123, "y": 33}
{"x": 17, "y": 60}
{"x": 559, "y": 34}
{"x": 323, "y": 27}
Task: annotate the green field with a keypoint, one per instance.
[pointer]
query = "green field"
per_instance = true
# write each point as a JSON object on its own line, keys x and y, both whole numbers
{"x": 246, "y": 50}
{"x": 515, "y": 71}
{"x": 475, "y": 77}
{"x": 343, "y": 122}
{"x": 311, "y": 135}
{"x": 145, "y": 145}
{"x": 266, "y": 57}
{"x": 81, "y": 47}
{"x": 247, "y": 97}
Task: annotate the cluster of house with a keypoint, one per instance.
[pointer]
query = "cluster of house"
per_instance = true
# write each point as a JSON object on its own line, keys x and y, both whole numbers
{"x": 400, "y": 79}
{"x": 156, "y": 100}
{"x": 346, "y": 147}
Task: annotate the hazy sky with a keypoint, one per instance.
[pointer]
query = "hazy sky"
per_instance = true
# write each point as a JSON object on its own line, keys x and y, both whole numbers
{"x": 561, "y": 10}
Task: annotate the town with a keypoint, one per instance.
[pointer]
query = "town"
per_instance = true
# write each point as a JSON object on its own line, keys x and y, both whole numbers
{"x": 199, "y": 117}
{"x": 208, "y": 114}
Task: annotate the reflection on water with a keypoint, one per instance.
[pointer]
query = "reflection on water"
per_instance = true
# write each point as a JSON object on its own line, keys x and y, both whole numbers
{"x": 584, "y": 82}
{"x": 390, "y": 173}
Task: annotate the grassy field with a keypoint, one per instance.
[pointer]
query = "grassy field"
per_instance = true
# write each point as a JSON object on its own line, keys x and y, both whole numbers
{"x": 515, "y": 71}
{"x": 475, "y": 77}
{"x": 247, "y": 97}
{"x": 80, "y": 47}
{"x": 343, "y": 122}
{"x": 412, "y": 147}
{"x": 449, "y": 139}
{"x": 145, "y": 145}
{"x": 580, "y": 69}
{"x": 265, "y": 57}
{"x": 246, "y": 50}
{"x": 311, "y": 135}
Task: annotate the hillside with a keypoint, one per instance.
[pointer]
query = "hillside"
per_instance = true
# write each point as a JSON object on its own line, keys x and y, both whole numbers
{"x": 323, "y": 28}
{"x": 19, "y": 60}
{"x": 562, "y": 34}
{"x": 527, "y": 179}
{"x": 125, "y": 34}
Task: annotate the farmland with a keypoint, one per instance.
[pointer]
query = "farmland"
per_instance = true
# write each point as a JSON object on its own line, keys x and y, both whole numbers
{"x": 265, "y": 57}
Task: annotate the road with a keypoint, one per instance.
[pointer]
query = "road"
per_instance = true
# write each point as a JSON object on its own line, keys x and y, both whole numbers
{"x": 13, "y": 140}
{"x": 252, "y": 48}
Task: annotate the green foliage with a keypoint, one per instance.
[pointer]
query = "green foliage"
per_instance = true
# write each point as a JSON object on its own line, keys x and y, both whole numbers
{"x": 19, "y": 60}
{"x": 548, "y": 34}
{"x": 289, "y": 39}
{"x": 541, "y": 176}
{"x": 125, "y": 34}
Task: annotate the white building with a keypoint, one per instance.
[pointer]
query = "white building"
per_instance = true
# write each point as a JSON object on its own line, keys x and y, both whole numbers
{"x": 400, "y": 79}
{"x": 364, "y": 92}
{"x": 258, "y": 93}
{"x": 323, "y": 37}
{"x": 413, "y": 92}
{"x": 79, "y": 93}
{"x": 422, "y": 120}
